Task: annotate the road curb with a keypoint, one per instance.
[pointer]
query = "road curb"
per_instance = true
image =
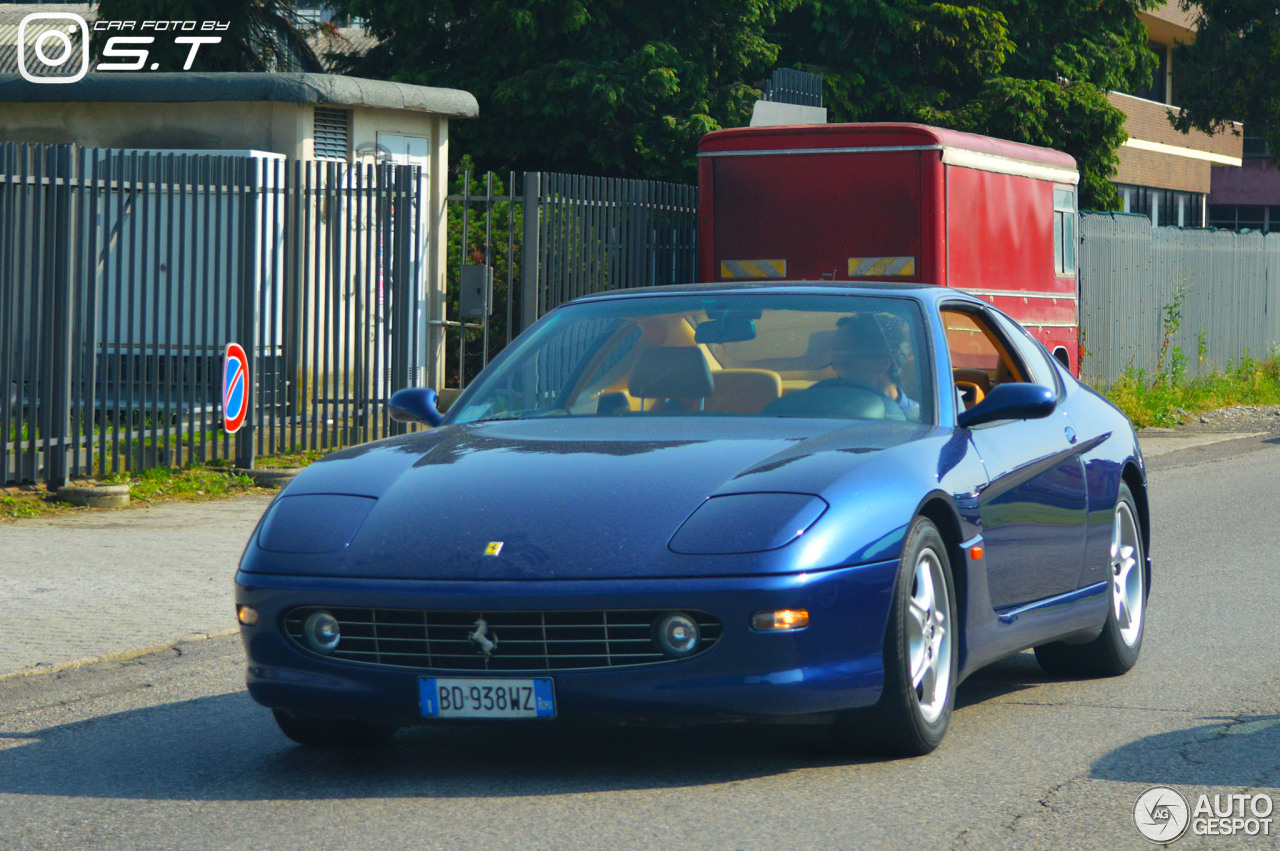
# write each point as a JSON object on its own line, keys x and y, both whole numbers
{"x": 117, "y": 655}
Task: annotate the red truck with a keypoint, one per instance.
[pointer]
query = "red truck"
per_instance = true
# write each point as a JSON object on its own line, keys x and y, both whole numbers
{"x": 896, "y": 202}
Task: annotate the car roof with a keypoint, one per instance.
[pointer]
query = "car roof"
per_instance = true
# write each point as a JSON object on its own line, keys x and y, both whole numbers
{"x": 930, "y": 293}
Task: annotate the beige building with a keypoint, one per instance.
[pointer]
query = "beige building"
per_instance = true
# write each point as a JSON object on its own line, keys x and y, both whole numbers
{"x": 305, "y": 117}
{"x": 1164, "y": 174}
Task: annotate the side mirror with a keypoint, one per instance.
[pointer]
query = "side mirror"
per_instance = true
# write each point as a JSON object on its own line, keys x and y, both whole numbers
{"x": 415, "y": 405}
{"x": 1010, "y": 402}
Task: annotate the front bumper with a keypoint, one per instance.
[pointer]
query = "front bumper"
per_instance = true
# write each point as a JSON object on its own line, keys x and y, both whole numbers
{"x": 833, "y": 664}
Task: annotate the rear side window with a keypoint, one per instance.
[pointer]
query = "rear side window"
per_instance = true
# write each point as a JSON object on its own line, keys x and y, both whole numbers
{"x": 1040, "y": 364}
{"x": 981, "y": 359}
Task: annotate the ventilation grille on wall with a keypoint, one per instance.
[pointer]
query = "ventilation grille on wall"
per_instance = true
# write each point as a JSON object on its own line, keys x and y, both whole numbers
{"x": 332, "y": 134}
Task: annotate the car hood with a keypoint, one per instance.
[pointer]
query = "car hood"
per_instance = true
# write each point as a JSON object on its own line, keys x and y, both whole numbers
{"x": 556, "y": 498}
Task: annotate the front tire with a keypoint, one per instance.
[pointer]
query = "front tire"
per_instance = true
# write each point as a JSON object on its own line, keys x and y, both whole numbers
{"x": 332, "y": 732}
{"x": 920, "y": 653}
{"x": 1116, "y": 649}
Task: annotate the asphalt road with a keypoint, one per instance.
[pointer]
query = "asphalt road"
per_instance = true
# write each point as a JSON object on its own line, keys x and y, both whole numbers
{"x": 167, "y": 750}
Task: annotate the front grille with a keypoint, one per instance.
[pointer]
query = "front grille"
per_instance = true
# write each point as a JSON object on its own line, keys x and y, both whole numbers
{"x": 524, "y": 641}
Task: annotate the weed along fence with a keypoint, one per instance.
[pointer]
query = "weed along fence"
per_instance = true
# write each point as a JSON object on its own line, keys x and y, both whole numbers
{"x": 1168, "y": 299}
{"x": 124, "y": 274}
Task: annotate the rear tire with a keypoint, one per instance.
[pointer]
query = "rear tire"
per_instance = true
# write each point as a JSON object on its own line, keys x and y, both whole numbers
{"x": 1116, "y": 649}
{"x": 332, "y": 732}
{"x": 920, "y": 653}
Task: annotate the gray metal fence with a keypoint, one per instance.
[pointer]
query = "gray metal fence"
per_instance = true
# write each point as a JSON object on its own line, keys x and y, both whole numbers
{"x": 124, "y": 274}
{"x": 584, "y": 235}
{"x": 1220, "y": 288}
{"x": 791, "y": 85}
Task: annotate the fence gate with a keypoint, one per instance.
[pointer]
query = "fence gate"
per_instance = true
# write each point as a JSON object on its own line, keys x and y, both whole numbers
{"x": 124, "y": 274}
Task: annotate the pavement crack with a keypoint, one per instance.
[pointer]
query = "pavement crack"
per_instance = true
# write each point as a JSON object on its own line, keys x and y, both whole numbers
{"x": 1044, "y": 704}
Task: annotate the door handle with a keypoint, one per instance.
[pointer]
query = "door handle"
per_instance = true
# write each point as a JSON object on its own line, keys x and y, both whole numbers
{"x": 1071, "y": 434}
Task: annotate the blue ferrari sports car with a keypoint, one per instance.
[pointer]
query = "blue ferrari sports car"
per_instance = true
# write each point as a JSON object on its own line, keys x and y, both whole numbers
{"x": 809, "y": 502}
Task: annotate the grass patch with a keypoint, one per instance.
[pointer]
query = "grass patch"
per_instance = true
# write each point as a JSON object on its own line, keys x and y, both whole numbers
{"x": 1170, "y": 397}
{"x": 292, "y": 459}
{"x": 193, "y": 483}
{"x": 28, "y": 502}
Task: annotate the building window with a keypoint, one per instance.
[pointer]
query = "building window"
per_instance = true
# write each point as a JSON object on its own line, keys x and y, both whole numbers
{"x": 1158, "y": 91}
{"x": 1164, "y": 206}
{"x": 1255, "y": 145}
{"x": 332, "y": 134}
{"x": 1245, "y": 217}
{"x": 1064, "y": 230}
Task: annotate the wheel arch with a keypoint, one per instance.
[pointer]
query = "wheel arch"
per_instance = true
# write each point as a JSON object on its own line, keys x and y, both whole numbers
{"x": 1133, "y": 478}
{"x": 942, "y": 513}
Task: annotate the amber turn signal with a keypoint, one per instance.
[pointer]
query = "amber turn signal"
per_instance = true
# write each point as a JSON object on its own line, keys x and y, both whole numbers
{"x": 975, "y": 553}
{"x": 780, "y": 619}
{"x": 246, "y": 615}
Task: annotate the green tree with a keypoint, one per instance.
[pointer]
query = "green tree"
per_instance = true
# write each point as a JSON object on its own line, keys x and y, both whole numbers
{"x": 602, "y": 86}
{"x": 1229, "y": 72}
{"x": 264, "y": 35}
{"x": 1028, "y": 70}
{"x": 626, "y": 89}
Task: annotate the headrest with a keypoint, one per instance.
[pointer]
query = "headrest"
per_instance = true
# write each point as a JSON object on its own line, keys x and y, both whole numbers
{"x": 670, "y": 372}
{"x": 744, "y": 391}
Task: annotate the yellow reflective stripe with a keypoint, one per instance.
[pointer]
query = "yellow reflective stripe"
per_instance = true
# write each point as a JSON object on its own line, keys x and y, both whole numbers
{"x": 881, "y": 267}
{"x": 753, "y": 268}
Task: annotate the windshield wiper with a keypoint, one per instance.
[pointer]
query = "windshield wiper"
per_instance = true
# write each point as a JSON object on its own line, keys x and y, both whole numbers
{"x": 505, "y": 415}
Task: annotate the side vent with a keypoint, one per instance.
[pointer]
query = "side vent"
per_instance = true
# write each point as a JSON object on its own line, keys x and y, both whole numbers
{"x": 332, "y": 134}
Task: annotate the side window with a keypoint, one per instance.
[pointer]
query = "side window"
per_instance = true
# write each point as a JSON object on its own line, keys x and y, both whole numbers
{"x": 1040, "y": 364}
{"x": 1064, "y": 231}
{"x": 980, "y": 357}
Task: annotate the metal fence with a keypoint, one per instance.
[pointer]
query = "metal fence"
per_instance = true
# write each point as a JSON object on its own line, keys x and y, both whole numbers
{"x": 789, "y": 85}
{"x": 1216, "y": 292}
{"x": 124, "y": 274}
{"x": 584, "y": 235}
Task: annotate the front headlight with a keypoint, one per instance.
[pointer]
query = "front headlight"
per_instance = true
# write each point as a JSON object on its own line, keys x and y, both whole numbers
{"x": 311, "y": 524}
{"x": 747, "y": 523}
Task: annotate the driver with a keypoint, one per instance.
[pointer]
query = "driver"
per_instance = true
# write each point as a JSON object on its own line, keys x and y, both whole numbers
{"x": 866, "y": 386}
{"x": 860, "y": 355}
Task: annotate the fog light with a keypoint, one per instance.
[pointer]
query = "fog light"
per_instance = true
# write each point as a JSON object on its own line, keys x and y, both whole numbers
{"x": 247, "y": 615}
{"x": 322, "y": 632}
{"x": 677, "y": 634}
{"x": 781, "y": 619}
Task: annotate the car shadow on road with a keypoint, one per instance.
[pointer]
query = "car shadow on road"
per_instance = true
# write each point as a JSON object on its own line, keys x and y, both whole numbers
{"x": 1008, "y": 676}
{"x": 226, "y": 748}
{"x": 1235, "y": 752}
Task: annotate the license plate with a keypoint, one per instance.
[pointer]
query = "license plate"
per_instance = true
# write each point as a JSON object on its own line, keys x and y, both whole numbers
{"x": 487, "y": 698}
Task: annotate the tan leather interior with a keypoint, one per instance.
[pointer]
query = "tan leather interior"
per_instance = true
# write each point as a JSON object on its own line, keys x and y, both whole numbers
{"x": 744, "y": 391}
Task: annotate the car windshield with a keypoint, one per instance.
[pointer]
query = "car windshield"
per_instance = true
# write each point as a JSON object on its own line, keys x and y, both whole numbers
{"x": 721, "y": 355}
